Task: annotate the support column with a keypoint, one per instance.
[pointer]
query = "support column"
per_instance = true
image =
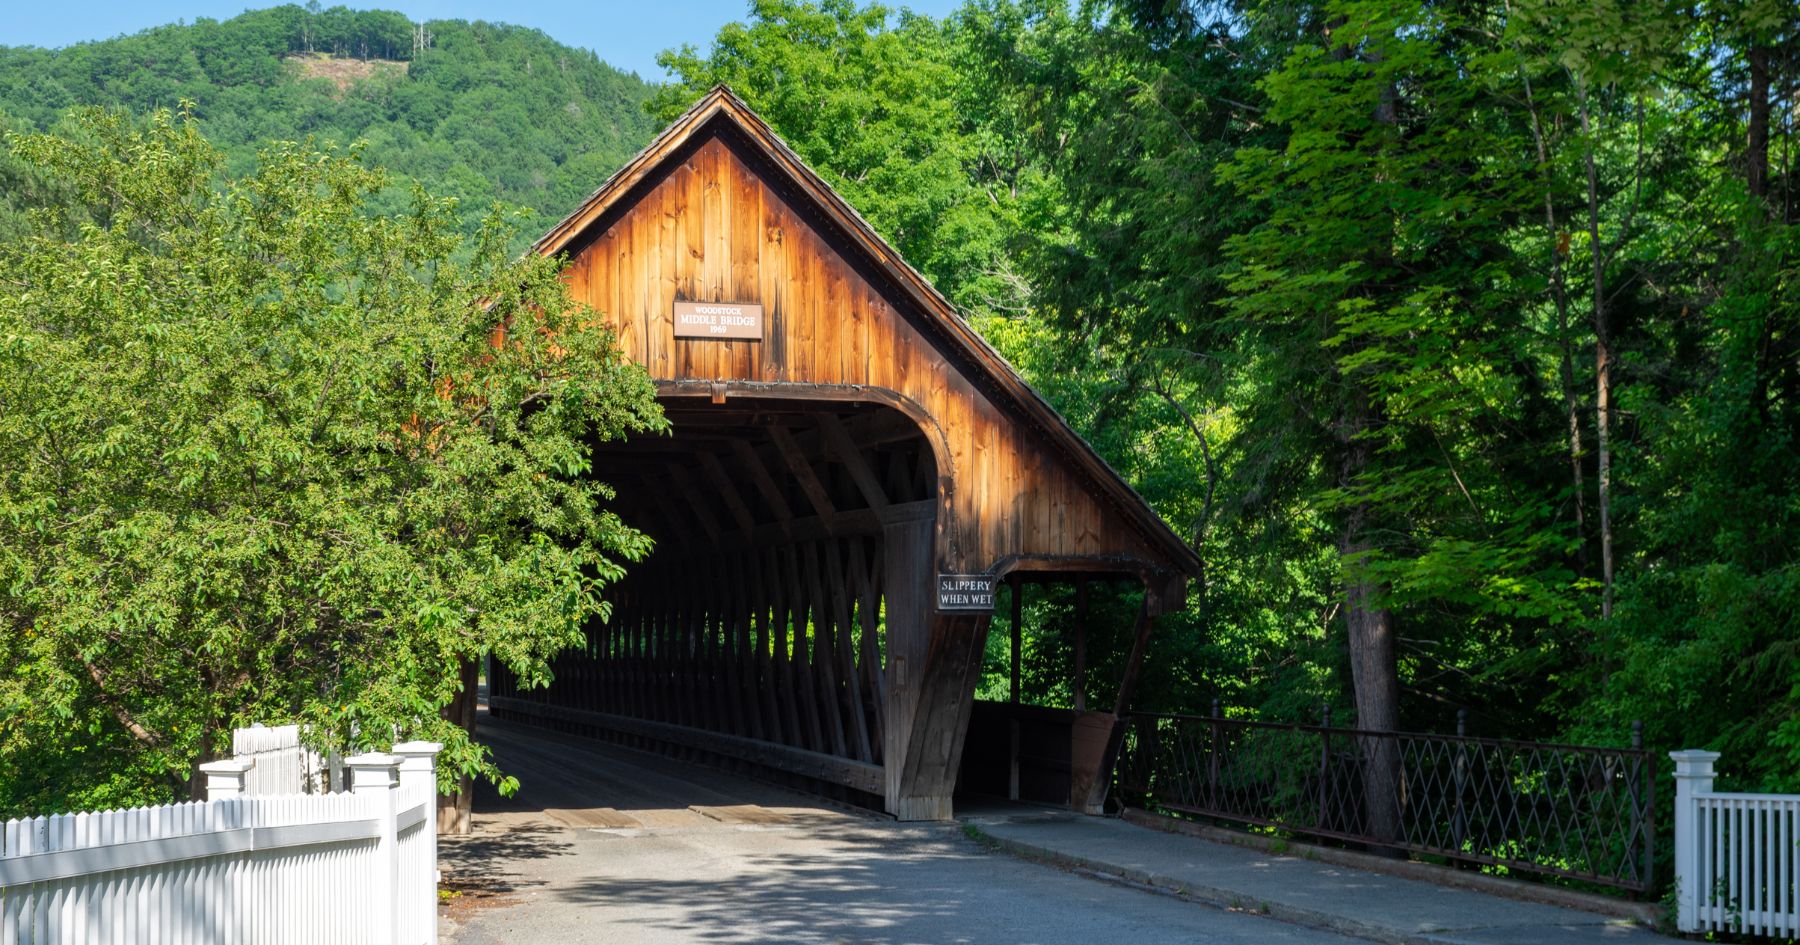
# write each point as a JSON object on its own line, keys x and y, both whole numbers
{"x": 376, "y": 776}
{"x": 1693, "y": 777}
{"x": 1095, "y": 742}
{"x": 944, "y": 697}
{"x": 1081, "y": 634}
{"x": 418, "y": 775}
{"x": 906, "y": 586}
{"x": 1012, "y": 720}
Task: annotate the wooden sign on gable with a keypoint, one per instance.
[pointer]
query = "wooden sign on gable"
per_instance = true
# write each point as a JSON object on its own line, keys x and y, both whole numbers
{"x": 722, "y": 320}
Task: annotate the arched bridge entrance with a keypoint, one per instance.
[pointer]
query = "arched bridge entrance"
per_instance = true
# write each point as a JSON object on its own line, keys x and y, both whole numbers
{"x": 853, "y": 475}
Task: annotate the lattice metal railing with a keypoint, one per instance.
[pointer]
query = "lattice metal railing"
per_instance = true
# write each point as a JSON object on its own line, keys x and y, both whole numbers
{"x": 1564, "y": 810}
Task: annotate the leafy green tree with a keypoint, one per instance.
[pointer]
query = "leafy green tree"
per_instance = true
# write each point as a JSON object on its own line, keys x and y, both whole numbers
{"x": 272, "y": 457}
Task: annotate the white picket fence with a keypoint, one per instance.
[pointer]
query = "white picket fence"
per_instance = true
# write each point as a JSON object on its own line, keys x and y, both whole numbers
{"x": 353, "y": 867}
{"x": 283, "y": 765}
{"x": 1737, "y": 856}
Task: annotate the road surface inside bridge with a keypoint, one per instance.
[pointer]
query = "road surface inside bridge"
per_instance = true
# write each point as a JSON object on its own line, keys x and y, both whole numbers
{"x": 608, "y": 845}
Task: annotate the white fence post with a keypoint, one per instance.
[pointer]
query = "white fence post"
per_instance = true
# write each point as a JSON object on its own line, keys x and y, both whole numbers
{"x": 1693, "y": 777}
{"x": 418, "y": 777}
{"x": 375, "y": 775}
{"x": 225, "y": 777}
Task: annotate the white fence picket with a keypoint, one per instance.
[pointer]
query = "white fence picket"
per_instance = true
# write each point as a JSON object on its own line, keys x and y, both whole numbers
{"x": 283, "y": 764}
{"x": 232, "y": 870}
{"x": 1737, "y": 856}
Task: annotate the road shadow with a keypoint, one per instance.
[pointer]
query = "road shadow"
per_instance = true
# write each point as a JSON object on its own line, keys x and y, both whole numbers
{"x": 876, "y": 883}
{"x": 482, "y": 869}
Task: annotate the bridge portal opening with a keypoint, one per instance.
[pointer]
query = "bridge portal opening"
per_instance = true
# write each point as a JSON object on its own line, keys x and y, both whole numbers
{"x": 755, "y": 634}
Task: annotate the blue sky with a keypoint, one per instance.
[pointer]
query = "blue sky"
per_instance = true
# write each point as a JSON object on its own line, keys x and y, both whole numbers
{"x": 626, "y": 34}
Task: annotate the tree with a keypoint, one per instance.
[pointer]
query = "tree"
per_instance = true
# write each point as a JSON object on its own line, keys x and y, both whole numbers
{"x": 272, "y": 457}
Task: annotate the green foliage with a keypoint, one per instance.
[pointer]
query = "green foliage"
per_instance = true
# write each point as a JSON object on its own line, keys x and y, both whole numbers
{"x": 1265, "y": 239}
{"x": 267, "y": 459}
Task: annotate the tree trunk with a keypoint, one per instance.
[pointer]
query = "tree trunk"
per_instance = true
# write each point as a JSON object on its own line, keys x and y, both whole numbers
{"x": 1756, "y": 149}
{"x": 1602, "y": 360}
{"x": 1559, "y": 294}
{"x": 455, "y": 811}
{"x": 1374, "y": 661}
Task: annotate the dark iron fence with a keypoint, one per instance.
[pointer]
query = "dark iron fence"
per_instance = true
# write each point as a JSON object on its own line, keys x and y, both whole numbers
{"x": 1564, "y": 810}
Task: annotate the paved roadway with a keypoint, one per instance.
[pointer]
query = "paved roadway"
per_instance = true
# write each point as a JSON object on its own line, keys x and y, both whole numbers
{"x": 609, "y": 845}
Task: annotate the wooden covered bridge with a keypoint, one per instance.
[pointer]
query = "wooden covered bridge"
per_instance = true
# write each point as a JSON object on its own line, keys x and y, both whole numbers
{"x": 852, "y": 473}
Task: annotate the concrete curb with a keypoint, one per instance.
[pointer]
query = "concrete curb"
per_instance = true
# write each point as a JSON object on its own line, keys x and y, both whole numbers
{"x": 1646, "y": 914}
{"x": 1211, "y": 895}
{"x": 1235, "y": 900}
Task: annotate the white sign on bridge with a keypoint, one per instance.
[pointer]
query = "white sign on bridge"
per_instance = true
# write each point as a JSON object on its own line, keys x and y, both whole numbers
{"x": 967, "y": 593}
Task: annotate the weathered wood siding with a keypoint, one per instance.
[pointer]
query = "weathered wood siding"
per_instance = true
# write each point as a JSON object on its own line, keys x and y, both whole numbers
{"x": 710, "y": 228}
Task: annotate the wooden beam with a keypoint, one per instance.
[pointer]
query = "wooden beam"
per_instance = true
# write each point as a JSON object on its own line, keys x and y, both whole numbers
{"x": 866, "y": 569}
{"x": 765, "y": 484}
{"x": 843, "y": 629}
{"x": 1099, "y": 780}
{"x": 811, "y": 528}
{"x": 728, "y": 491}
{"x": 694, "y": 501}
{"x": 853, "y": 459}
{"x": 803, "y": 473}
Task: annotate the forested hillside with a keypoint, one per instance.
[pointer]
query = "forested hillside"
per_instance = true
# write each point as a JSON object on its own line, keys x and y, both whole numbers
{"x": 480, "y": 111}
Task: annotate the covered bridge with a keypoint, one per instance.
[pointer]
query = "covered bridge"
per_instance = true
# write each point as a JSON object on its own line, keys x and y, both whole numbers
{"x": 852, "y": 474}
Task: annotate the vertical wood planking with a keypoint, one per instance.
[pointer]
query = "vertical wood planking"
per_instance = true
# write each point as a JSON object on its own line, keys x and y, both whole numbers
{"x": 712, "y": 357}
{"x": 746, "y": 245}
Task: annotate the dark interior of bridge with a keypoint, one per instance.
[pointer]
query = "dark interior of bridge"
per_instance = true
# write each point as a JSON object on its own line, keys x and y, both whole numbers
{"x": 754, "y": 635}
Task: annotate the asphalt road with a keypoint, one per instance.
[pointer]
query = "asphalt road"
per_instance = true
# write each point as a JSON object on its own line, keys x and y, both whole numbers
{"x": 609, "y": 845}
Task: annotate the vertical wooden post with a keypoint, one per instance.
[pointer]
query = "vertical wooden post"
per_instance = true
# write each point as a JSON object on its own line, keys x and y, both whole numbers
{"x": 1018, "y": 613}
{"x": 1091, "y": 777}
{"x": 1081, "y": 624}
{"x": 906, "y": 556}
{"x": 1012, "y": 722}
{"x": 934, "y": 665}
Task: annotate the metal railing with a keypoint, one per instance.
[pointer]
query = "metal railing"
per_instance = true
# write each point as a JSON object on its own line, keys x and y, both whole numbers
{"x": 1572, "y": 811}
